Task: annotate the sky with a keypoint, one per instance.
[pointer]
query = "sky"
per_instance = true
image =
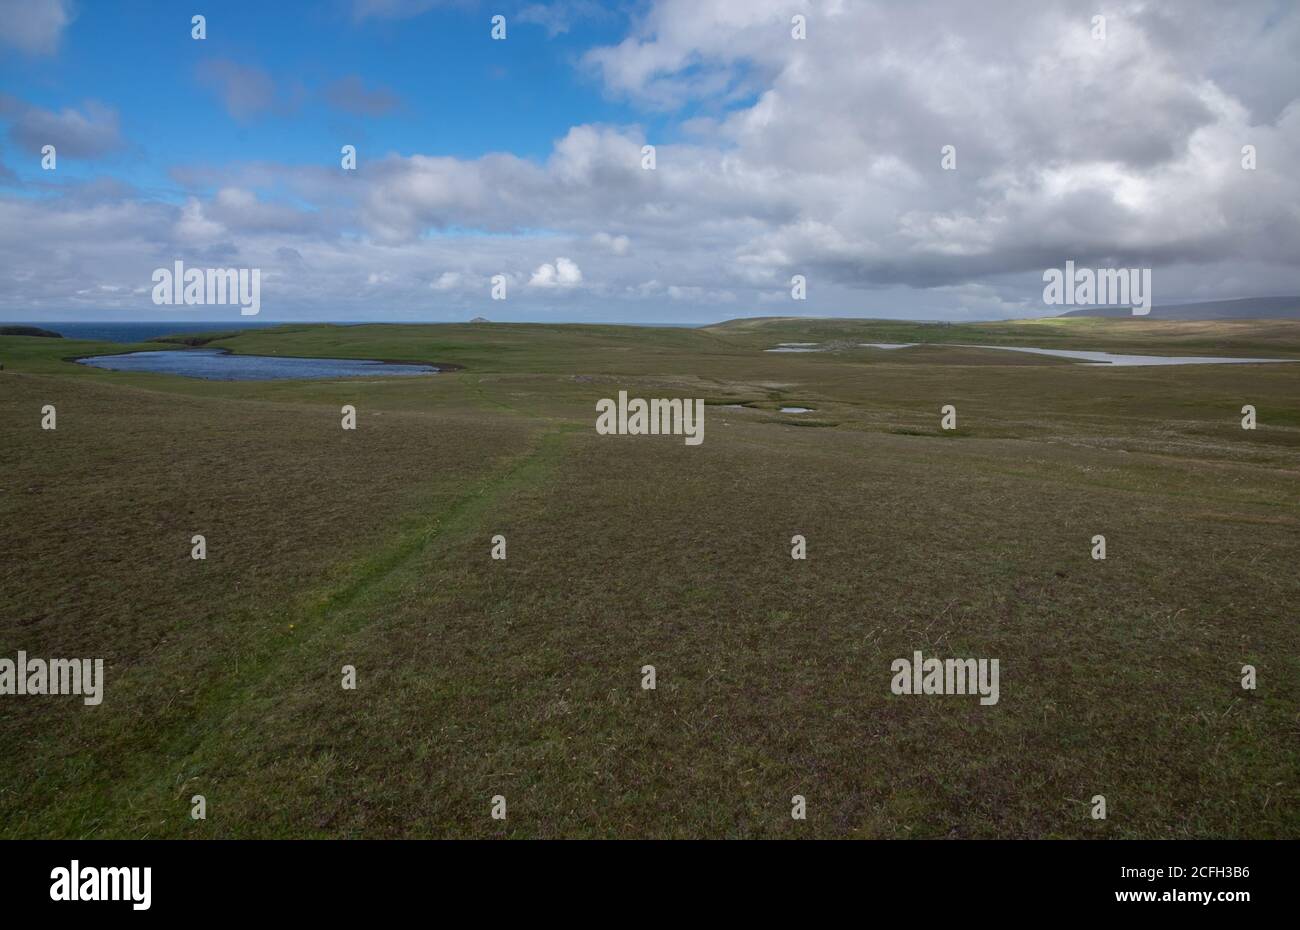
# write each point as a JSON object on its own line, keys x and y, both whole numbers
{"x": 522, "y": 160}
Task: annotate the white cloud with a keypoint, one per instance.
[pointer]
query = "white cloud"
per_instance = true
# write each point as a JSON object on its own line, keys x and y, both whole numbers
{"x": 193, "y": 227}
{"x": 564, "y": 273}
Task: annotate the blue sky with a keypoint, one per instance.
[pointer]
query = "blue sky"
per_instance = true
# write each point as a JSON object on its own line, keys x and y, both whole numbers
{"x": 456, "y": 91}
{"x": 792, "y": 139}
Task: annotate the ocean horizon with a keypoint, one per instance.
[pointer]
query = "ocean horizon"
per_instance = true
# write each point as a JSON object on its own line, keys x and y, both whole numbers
{"x": 142, "y": 331}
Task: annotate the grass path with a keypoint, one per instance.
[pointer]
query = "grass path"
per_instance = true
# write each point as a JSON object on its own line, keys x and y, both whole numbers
{"x": 324, "y": 616}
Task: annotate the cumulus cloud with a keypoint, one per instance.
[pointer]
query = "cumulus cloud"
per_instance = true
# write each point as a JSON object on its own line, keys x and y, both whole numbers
{"x": 1123, "y": 150}
{"x": 564, "y": 273}
{"x": 195, "y": 227}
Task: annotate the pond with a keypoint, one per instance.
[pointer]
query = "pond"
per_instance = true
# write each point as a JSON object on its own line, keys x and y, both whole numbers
{"x": 220, "y": 365}
{"x": 1099, "y": 358}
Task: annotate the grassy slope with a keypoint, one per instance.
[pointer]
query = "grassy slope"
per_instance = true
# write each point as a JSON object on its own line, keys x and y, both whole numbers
{"x": 521, "y": 678}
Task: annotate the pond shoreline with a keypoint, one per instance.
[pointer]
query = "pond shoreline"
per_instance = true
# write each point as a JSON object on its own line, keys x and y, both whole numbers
{"x": 375, "y": 366}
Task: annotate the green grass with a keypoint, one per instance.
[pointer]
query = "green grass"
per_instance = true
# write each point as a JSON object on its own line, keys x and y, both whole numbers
{"x": 481, "y": 677}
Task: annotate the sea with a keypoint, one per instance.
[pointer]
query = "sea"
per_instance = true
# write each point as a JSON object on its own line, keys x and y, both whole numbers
{"x": 140, "y": 332}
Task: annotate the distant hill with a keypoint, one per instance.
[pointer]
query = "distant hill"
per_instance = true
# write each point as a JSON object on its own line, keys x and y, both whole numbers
{"x": 28, "y": 331}
{"x": 1249, "y": 308}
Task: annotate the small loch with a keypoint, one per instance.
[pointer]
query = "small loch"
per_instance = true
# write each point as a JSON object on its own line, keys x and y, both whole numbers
{"x": 219, "y": 365}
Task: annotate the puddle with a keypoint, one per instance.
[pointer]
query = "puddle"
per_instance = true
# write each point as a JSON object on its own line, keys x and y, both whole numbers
{"x": 797, "y": 409}
{"x": 796, "y": 347}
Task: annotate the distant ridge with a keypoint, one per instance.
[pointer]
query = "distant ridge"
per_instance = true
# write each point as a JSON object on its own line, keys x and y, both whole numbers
{"x": 28, "y": 331}
{"x": 1248, "y": 308}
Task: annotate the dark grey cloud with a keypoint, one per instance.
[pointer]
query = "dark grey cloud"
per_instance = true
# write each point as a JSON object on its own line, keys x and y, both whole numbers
{"x": 86, "y": 132}
{"x": 34, "y": 27}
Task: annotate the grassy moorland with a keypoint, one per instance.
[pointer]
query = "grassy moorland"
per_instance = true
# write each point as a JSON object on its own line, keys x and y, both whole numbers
{"x": 522, "y": 677}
